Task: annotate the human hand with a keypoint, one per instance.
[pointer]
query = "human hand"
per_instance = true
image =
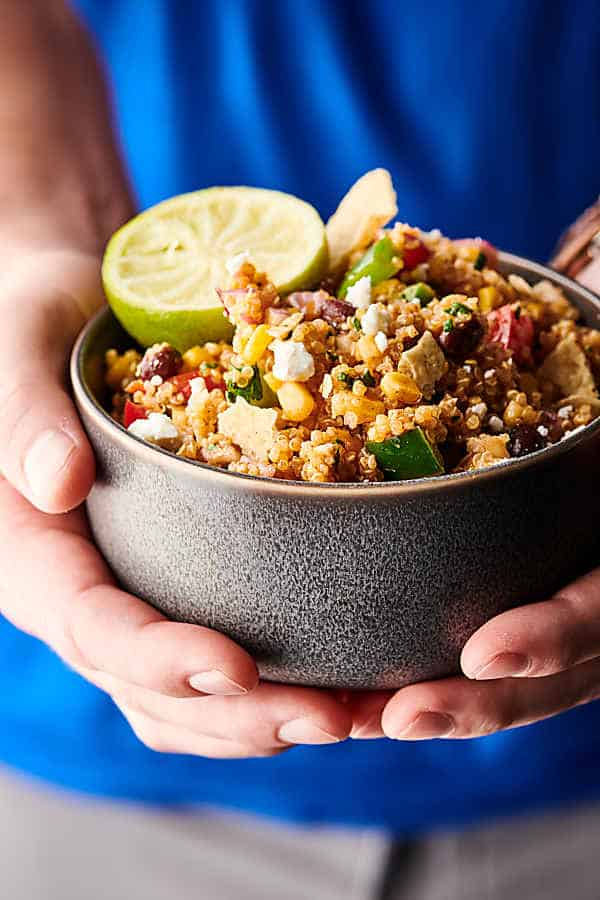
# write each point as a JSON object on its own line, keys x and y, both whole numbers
{"x": 55, "y": 586}
{"x": 183, "y": 688}
{"x": 522, "y": 666}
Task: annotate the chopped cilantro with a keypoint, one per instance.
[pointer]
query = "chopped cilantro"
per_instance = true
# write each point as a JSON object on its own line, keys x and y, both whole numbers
{"x": 448, "y": 326}
{"x": 210, "y": 447}
{"x": 252, "y": 392}
{"x": 356, "y": 324}
{"x": 332, "y": 357}
{"x": 345, "y": 378}
{"x": 459, "y": 309}
{"x": 368, "y": 380}
{"x": 480, "y": 261}
{"x": 209, "y": 365}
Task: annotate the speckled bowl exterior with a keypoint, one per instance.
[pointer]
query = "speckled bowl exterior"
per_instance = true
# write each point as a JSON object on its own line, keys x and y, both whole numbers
{"x": 348, "y": 586}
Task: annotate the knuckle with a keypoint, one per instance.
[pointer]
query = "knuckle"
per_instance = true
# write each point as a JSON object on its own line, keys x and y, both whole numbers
{"x": 498, "y": 713}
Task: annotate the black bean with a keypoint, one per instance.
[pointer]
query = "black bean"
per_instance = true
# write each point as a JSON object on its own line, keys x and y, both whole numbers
{"x": 462, "y": 339}
{"x": 164, "y": 361}
{"x": 524, "y": 439}
{"x": 553, "y": 423}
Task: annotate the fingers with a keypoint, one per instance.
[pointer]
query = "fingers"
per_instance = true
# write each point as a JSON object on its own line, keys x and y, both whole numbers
{"x": 273, "y": 716}
{"x": 366, "y": 708}
{"x": 459, "y": 708}
{"x": 58, "y": 588}
{"x": 539, "y": 639}
{"x": 166, "y": 738}
{"x": 44, "y": 451}
{"x": 109, "y": 630}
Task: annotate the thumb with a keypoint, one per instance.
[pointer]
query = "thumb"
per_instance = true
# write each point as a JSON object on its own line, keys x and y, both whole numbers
{"x": 44, "y": 453}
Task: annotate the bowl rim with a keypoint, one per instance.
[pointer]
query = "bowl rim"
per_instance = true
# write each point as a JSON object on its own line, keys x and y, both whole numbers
{"x": 408, "y": 488}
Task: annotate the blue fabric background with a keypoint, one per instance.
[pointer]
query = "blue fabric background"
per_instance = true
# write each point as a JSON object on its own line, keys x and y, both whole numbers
{"x": 489, "y": 119}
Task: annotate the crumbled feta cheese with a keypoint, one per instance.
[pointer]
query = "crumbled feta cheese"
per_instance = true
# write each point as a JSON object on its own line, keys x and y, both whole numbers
{"x": 293, "y": 362}
{"x": 156, "y": 428}
{"x": 564, "y": 412}
{"x": 381, "y": 341}
{"x": 489, "y": 373}
{"x": 327, "y": 386}
{"x": 496, "y": 425}
{"x": 541, "y": 429}
{"x": 198, "y": 396}
{"x": 251, "y": 428}
{"x": 375, "y": 319}
{"x": 156, "y": 381}
{"x": 234, "y": 262}
{"x": 359, "y": 294}
{"x": 197, "y": 385}
{"x": 479, "y": 409}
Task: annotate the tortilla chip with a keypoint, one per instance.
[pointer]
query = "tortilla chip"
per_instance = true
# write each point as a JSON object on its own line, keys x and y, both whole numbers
{"x": 368, "y": 206}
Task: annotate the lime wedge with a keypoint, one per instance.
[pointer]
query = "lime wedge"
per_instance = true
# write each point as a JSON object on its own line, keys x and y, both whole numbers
{"x": 161, "y": 269}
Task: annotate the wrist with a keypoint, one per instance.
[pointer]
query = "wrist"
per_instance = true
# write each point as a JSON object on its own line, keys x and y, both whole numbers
{"x": 577, "y": 254}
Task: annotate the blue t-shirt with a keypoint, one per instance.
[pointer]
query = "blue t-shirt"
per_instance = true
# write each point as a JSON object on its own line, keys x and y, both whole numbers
{"x": 489, "y": 120}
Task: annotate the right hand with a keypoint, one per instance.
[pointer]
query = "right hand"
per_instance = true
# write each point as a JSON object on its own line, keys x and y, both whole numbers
{"x": 183, "y": 688}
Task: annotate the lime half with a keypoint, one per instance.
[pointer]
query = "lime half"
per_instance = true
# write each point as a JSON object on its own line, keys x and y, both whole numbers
{"x": 161, "y": 269}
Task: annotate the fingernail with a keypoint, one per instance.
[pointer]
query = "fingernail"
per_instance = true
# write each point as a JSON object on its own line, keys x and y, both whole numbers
{"x": 45, "y": 459}
{"x": 369, "y": 729}
{"x": 303, "y": 731}
{"x": 504, "y": 665}
{"x": 215, "y": 682}
{"x": 427, "y": 725}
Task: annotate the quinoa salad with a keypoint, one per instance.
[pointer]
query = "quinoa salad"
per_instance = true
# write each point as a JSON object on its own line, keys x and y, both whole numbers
{"x": 417, "y": 358}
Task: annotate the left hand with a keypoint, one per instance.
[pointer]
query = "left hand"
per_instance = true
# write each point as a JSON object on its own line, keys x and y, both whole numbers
{"x": 522, "y": 666}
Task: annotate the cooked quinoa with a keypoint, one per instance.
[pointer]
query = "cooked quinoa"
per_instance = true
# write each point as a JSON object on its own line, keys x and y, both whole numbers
{"x": 421, "y": 358}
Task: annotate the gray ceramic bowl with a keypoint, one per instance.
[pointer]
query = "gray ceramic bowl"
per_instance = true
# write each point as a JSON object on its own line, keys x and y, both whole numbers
{"x": 339, "y": 585}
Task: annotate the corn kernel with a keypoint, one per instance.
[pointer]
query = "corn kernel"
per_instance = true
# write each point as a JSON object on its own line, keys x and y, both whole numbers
{"x": 121, "y": 367}
{"x": 512, "y": 414}
{"x": 296, "y": 401}
{"x": 258, "y": 342}
{"x": 533, "y": 308}
{"x": 400, "y": 388}
{"x": 274, "y": 383}
{"x": 363, "y": 410}
{"x": 488, "y": 298}
{"x": 194, "y": 356}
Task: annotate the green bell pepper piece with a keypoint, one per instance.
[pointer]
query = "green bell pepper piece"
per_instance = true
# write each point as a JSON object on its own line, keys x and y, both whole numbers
{"x": 408, "y": 456}
{"x": 419, "y": 291}
{"x": 377, "y": 264}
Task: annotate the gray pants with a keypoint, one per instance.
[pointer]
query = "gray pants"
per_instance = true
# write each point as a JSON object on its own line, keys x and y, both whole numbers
{"x": 58, "y": 847}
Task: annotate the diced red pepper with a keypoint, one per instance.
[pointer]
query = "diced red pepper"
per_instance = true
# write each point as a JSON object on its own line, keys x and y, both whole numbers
{"x": 513, "y": 331}
{"x": 181, "y": 383}
{"x": 414, "y": 253}
{"x": 133, "y": 411}
{"x": 479, "y": 245}
{"x": 213, "y": 382}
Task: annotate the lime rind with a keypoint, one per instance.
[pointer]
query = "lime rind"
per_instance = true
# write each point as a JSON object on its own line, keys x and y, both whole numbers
{"x": 161, "y": 269}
